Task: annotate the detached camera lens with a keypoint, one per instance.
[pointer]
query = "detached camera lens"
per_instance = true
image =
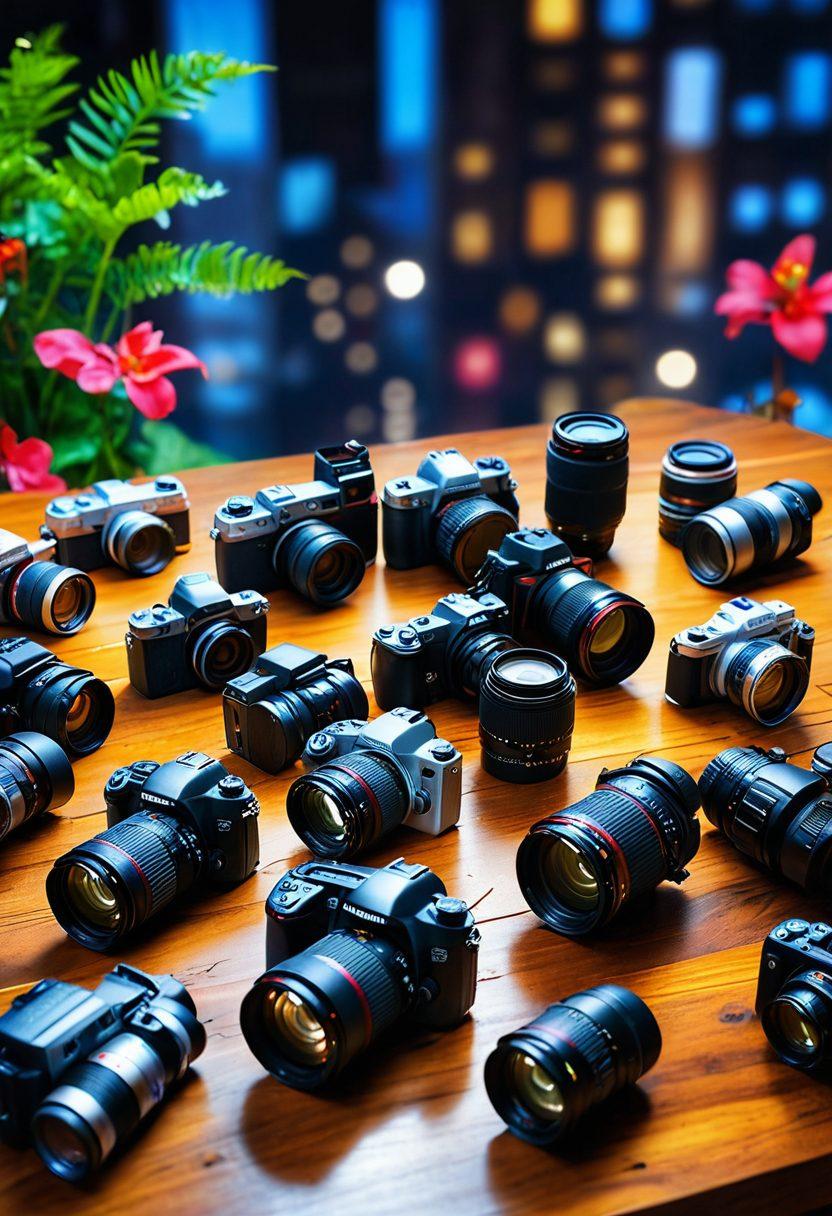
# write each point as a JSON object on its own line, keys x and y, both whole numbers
{"x": 587, "y": 466}
{"x": 526, "y": 715}
{"x": 348, "y": 804}
{"x": 467, "y": 529}
{"x": 220, "y": 651}
{"x": 35, "y": 775}
{"x": 696, "y": 474}
{"x": 140, "y": 543}
{"x": 55, "y": 598}
{"x": 320, "y": 562}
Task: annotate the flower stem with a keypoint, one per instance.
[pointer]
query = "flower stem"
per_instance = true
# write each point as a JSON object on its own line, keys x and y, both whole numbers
{"x": 49, "y": 298}
{"x": 98, "y": 286}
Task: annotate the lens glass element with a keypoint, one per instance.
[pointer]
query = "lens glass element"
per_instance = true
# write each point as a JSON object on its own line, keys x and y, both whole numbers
{"x": 794, "y": 1029}
{"x": 293, "y": 1025}
{"x": 61, "y": 1147}
{"x": 527, "y": 671}
{"x": 569, "y": 876}
{"x": 533, "y": 1087}
{"x": 91, "y": 898}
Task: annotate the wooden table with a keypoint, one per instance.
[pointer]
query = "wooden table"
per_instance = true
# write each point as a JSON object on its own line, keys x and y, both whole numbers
{"x": 718, "y": 1125}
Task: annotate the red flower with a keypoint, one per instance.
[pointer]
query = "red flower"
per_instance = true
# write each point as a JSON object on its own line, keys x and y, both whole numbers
{"x": 781, "y": 298}
{"x": 139, "y": 359}
{"x": 12, "y": 257}
{"x": 26, "y": 465}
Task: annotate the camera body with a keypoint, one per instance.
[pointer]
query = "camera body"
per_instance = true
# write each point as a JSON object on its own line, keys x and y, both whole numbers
{"x": 15, "y": 553}
{"x": 792, "y": 948}
{"x": 410, "y": 661}
{"x": 407, "y": 905}
{"x": 22, "y": 663}
{"x": 794, "y": 994}
{"x": 161, "y": 640}
{"x": 700, "y": 657}
{"x": 78, "y": 524}
{"x": 412, "y": 505}
{"x": 55, "y": 1025}
{"x": 431, "y": 767}
{"x": 217, "y": 808}
{"x": 248, "y": 531}
{"x": 519, "y": 567}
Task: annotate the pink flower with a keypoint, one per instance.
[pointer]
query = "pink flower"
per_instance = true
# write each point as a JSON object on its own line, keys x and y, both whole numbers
{"x": 139, "y": 359}
{"x": 782, "y": 298}
{"x": 26, "y": 465}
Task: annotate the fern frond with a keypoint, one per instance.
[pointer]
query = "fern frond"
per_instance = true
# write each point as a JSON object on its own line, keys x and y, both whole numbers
{"x": 123, "y": 112}
{"x": 33, "y": 90}
{"x": 170, "y": 188}
{"x": 218, "y": 270}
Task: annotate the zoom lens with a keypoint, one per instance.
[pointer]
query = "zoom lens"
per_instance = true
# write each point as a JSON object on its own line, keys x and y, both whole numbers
{"x": 776, "y": 813}
{"x": 101, "y": 1101}
{"x": 753, "y": 532}
{"x": 766, "y": 680}
{"x": 696, "y": 474}
{"x": 319, "y": 562}
{"x": 346, "y": 805}
{"x": 543, "y": 1077}
{"x": 466, "y": 529}
{"x": 306, "y": 1018}
{"x": 526, "y": 716}
{"x": 56, "y": 598}
{"x": 220, "y": 651}
{"x": 71, "y": 706}
{"x": 603, "y": 634}
{"x": 140, "y": 543}
{"x": 35, "y": 775}
{"x": 104, "y": 889}
{"x": 577, "y": 867}
{"x": 587, "y": 466}
{"x": 798, "y": 1022}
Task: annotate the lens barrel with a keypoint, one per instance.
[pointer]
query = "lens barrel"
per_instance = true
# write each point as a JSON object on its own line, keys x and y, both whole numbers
{"x": 57, "y": 599}
{"x": 587, "y": 466}
{"x": 306, "y": 1018}
{"x": 579, "y": 866}
{"x": 696, "y": 474}
{"x": 319, "y": 562}
{"x": 35, "y": 775}
{"x": 767, "y": 680}
{"x": 346, "y": 805}
{"x": 526, "y": 716}
{"x": 220, "y": 651}
{"x": 798, "y": 1022}
{"x": 465, "y": 531}
{"x": 139, "y": 542}
{"x": 543, "y": 1077}
{"x": 70, "y": 705}
{"x": 470, "y": 654}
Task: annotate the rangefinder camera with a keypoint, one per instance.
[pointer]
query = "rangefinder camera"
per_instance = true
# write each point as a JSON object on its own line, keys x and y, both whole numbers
{"x": 202, "y": 638}
{"x": 317, "y": 538}
{"x": 81, "y": 1069}
{"x": 794, "y": 994}
{"x": 451, "y": 512}
{"x": 367, "y": 778}
{"x": 757, "y": 655}
{"x": 140, "y": 528}
{"x": 351, "y": 951}
{"x": 39, "y": 593}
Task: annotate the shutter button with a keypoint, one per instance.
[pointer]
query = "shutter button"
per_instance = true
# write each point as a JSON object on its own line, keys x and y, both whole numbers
{"x": 450, "y": 911}
{"x": 231, "y": 787}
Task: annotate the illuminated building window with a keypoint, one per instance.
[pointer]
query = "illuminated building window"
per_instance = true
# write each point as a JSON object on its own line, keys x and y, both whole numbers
{"x": 474, "y": 161}
{"x": 471, "y": 237}
{"x": 692, "y": 85}
{"x": 554, "y": 20}
{"x": 520, "y": 310}
{"x": 361, "y": 300}
{"x": 361, "y": 358}
{"x": 754, "y": 115}
{"x": 615, "y": 291}
{"x": 803, "y": 202}
{"x": 404, "y": 279}
{"x": 676, "y": 368}
{"x": 398, "y": 396}
{"x": 307, "y": 193}
{"x": 554, "y": 75}
{"x": 407, "y": 73}
{"x": 621, "y": 111}
{"x": 625, "y": 18}
{"x": 558, "y": 395}
{"x": 688, "y": 298}
{"x": 323, "y": 289}
{"x": 750, "y": 207}
{"x": 550, "y": 219}
{"x": 564, "y": 338}
{"x": 807, "y": 83}
{"x": 552, "y": 138}
{"x": 359, "y": 420}
{"x": 357, "y": 252}
{"x": 624, "y": 67}
{"x": 623, "y": 156}
{"x": 329, "y": 325}
{"x": 618, "y": 228}
{"x": 477, "y": 364}
{"x": 398, "y": 428}
{"x": 688, "y": 221}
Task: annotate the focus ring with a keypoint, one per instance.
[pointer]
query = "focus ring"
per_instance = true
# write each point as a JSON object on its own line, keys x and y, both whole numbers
{"x": 589, "y": 1042}
{"x": 151, "y": 844}
{"x": 361, "y": 962}
{"x": 386, "y": 783}
{"x": 624, "y": 821}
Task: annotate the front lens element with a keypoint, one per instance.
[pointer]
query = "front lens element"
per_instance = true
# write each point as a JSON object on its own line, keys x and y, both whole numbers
{"x": 609, "y": 633}
{"x": 526, "y": 715}
{"x": 706, "y": 553}
{"x": 91, "y": 898}
{"x": 221, "y": 651}
{"x": 55, "y": 598}
{"x": 534, "y": 1087}
{"x": 139, "y": 542}
{"x": 64, "y": 1145}
{"x": 466, "y": 529}
{"x": 794, "y": 1028}
{"x": 568, "y": 874}
{"x": 319, "y": 561}
{"x": 347, "y": 805}
{"x": 294, "y": 1027}
{"x": 766, "y": 680}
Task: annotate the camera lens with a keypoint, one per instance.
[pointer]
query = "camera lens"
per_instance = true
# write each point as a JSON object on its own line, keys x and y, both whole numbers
{"x": 776, "y": 813}
{"x": 138, "y": 542}
{"x": 798, "y": 1023}
{"x": 348, "y": 804}
{"x": 220, "y": 651}
{"x": 526, "y": 713}
{"x": 603, "y": 634}
{"x": 544, "y": 1076}
{"x": 35, "y": 775}
{"x": 587, "y": 466}
{"x": 466, "y": 529}
{"x": 104, "y": 889}
{"x": 319, "y": 562}
{"x": 696, "y": 474}
{"x": 69, "y": 705}
{"x": 56, "y": 598}
{"x": 470, "y": 654}
{"x": 751, "y": 532}
{"x": 638, "y": 827}
{"x": 766, "y": 680}
{"x": 306, "y": 1018}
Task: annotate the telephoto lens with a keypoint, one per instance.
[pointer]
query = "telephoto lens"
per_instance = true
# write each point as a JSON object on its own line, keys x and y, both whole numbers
{"x": 49, "y": 597}
{"x": 578, "y": 866}
{"x": 696, "y": 474}
{"x": 526, "y": 716}
{"x": 35, "y": 776}
{"x": 775, "y": 812}
{"x": 753, "y": 532}
{"x": 587, "y": 465}
{"x": 543, "y": 1077}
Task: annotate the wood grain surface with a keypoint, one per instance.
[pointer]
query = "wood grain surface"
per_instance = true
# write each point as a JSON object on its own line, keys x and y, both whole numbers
{"x": 718, "y": 1125}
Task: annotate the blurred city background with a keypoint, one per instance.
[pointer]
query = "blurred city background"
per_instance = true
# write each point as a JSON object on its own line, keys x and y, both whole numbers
{"x": 507, "y": 208}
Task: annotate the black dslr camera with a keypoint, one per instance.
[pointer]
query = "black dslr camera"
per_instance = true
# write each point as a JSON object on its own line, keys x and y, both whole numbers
{"x": 271, "y": 711}
{"x": 39, "y": 692}
{"x": 443, "y": 654}
{"x": 451, "y": 511}
{"x": 80, "y": 1070}
{"x": 351, "y": 950}
{"x": 39, "y": 593}
{"x": 201, "y": 638}
{"x": 554, "y": 601}
{"x": 794, "y": 994}
{"x": 169, "y": 827}
{"x": 317, "y": 537}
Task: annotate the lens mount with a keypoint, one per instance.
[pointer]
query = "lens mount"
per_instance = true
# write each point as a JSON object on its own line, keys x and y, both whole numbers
{"x": 319, "y": 561}
{"x": 57, "y": 599}
{"x": 348, "y": 804}
{"x": 526, "y": 715}
{"x": 141, "y": 543}
{"x": 466, "y": 528}
{"x": 221, "y": 650}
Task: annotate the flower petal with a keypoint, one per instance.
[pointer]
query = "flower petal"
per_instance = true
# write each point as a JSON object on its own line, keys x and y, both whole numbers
{"x": 165, "y": 360}
{"x": 800, "y": 251}
{"x": 738, "y": 320}
{"x": 731, "y": 302}
{"x": 156, "y": 399}
{"x": 819, "y": 295}
{"x": 140, "y": 340}
{"x": 26, "y": 465}
{"x": 66, "y": 350}
{"x": 745, "y": 275}
{"x": 98, "y": 376}
{"x": 804, "y": 337}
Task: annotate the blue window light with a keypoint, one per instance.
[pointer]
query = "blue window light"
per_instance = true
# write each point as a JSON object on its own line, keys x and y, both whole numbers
{"x": 807, "y": 87}
{"x": 408, "y": 55}
{"x": 803, "y": 202}
{"x": 625, "y": 18}
{"x": 750, "y": 208}
{"x": 307, "y": 193}
{"x": 692, "y": 87}
{"x": 754, "y": 115}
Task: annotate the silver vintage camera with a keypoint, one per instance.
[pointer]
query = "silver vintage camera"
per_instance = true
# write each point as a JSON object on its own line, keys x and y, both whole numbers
{"x": 367, "y": 778}
{"x": 138, "y": 527}
{"x": 39, "y": 593}
{"x": 758, "y": 655}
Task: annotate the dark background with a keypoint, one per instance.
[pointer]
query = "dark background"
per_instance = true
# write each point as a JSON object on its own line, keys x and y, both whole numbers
{"x": 571, "y": 178}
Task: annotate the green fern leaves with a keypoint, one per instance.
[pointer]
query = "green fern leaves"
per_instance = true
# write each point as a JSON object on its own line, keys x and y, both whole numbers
{"x": 218, "y": 270}
{"x": 33, "y": 92}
